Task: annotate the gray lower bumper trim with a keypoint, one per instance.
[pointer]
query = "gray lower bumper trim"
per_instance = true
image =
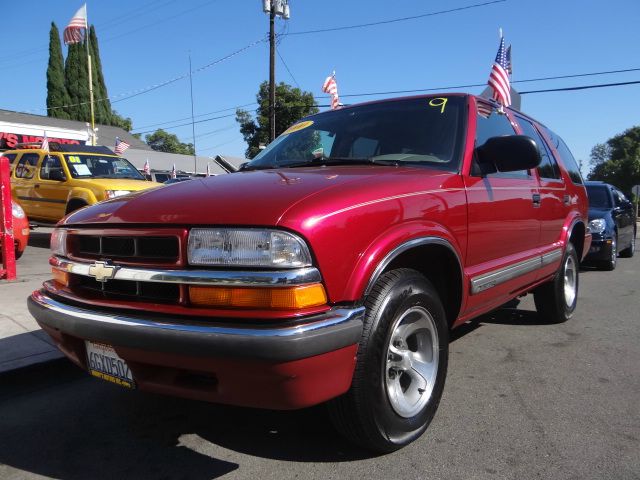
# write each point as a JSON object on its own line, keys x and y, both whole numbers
{"x": 323, "y": 333}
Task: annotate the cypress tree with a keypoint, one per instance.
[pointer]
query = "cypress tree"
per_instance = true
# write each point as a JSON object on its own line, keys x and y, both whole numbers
{"x": 102, "y": 105}
{"x": 77, "y": 82}
{"x": 57, "y": 95}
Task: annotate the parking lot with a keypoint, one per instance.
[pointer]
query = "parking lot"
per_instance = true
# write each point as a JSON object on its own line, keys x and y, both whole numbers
{"x": 523, "y": 400}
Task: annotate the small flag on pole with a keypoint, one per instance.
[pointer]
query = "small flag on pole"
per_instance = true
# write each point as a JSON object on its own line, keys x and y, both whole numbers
{"x": 146, "y": 169}
{"x": 331, "y": 87}
{"x": 73, "y": 33}
{"x": 120, "y": 146}
{"x": 173, "y": 171}
{"x": 509, "y": 64}
{"x": 499, "y": 76}
{"x": 45, "y": 143}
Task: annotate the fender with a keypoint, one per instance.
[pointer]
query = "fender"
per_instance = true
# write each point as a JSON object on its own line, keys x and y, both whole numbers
{"x": 567, "y": 230}
{"x": 84, "y": 194}
{"x": 390, "y": 244}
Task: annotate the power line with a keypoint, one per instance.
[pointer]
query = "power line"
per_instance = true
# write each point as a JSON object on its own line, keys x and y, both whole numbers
{"x": 197, "y": 116}
{"x": 402, "y": 19}
{"x": 582, "y": 87}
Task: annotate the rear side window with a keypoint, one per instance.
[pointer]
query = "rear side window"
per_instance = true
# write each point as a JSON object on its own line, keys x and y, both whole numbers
{"x": 566, "y": 156}
{"x": 26, "y": 166}
{"x": 548, "y": 166}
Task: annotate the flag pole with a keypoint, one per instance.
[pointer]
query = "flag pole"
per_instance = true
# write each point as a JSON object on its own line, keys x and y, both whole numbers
{"x": 193, "y": 124}
{"x": 93, "y": 123}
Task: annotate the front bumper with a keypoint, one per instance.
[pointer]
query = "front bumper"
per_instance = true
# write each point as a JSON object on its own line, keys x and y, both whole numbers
{"x": 276, "y": 366}
{"x": 600, "y": 249}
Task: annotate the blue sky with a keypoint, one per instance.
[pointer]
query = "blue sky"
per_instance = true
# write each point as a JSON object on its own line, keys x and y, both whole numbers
{"x": 147, "y": 42}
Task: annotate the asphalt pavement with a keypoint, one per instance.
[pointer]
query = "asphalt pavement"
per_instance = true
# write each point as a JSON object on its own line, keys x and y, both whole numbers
{"x": 523, "y": 400}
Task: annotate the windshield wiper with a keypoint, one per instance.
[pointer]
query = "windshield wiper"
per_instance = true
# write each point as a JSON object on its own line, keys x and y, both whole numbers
{"x": 330, "y": 161}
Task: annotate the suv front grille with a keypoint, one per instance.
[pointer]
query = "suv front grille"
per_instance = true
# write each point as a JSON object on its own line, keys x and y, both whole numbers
{"x": 153, "y": 249}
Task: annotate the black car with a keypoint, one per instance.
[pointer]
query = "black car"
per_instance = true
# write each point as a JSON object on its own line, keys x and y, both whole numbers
{"x": 612, "y": 223}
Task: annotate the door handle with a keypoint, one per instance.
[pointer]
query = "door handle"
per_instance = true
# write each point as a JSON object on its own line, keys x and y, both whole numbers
{"x": 36, "y": 185}
{"x": 536, "y": 200}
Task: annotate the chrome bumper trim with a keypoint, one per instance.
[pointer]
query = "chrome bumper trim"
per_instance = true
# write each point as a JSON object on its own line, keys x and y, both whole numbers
{"x": 232, "y": 278}
{"x": 319, "y": 334}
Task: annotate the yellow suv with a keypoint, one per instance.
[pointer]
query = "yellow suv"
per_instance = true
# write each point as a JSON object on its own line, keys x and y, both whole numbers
{"x": 50, "y": 185}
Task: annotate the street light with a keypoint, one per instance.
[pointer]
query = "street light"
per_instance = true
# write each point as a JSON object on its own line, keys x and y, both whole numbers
{"x": 275, "y": 8}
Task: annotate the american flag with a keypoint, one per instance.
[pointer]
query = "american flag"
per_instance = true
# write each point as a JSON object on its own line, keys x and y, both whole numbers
{"x": 121, "y": 146}
{"x": 484, "y": 109}
{"x": 45, "y": 143}
{"x": 173, "y": 171}
{"x": 331, "y": 87}
{"x": 73, "y": 33}
{"x": 499, "y": 77}
{"x": 146, "y": 169}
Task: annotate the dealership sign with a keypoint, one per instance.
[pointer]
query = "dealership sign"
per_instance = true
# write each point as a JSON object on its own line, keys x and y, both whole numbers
{"x": 12, "y": 134}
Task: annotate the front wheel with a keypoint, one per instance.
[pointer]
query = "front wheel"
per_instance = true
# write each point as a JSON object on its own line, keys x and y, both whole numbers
{"x": 612, "y": 261}
{"x": 556, "y": 300}
{"x": 401, "y": 365}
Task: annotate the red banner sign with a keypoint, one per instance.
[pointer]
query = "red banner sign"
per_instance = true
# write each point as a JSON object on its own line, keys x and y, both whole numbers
{"x": 10, "y": 140}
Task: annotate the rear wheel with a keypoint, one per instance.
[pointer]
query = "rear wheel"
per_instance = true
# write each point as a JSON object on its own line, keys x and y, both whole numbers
{"x": 401, "y": 365}
{"x": 74, "y": 205}
{"x": 556, "y": 300}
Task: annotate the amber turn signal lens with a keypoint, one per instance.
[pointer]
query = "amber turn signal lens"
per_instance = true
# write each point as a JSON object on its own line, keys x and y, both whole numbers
{"x": 283, "y": 298}
{"x": 60, "y": 276}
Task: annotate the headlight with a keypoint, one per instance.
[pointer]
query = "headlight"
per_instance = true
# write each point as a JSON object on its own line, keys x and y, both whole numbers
{"x": 59, "y": 242}
{"x": 597, "y": 225}
{"x": 247, "y": 248}
{"x": 116, "y": 193}
{"x": 17, "y": 210}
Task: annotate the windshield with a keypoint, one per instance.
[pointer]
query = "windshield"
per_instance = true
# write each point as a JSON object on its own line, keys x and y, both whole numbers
{"x": 598, "y": 197}
{"x": 417, "y": 131}
{"x": 99, "y": 166}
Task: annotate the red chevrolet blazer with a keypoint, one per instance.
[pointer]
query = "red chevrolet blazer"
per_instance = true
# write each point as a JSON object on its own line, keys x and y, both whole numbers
{"x": 331, "y": 268}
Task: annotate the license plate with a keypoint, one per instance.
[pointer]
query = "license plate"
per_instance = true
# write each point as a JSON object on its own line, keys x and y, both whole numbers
{"x": 104, "y": 363}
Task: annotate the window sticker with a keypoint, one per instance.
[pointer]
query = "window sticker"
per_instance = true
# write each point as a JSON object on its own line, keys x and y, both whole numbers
{"x": 297, "y": 127}
{"x": 81, "y": 169}
{"x": 74, "y": 159}
{"x": 439, "y": 102}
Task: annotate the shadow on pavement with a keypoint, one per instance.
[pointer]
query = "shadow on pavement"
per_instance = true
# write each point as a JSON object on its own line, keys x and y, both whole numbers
{"x": 58, "y": 422}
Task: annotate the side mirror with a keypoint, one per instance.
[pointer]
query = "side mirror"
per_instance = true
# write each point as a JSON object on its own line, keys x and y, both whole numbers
{"x": 57, "y": 175}
{"x": 510, "y": 153}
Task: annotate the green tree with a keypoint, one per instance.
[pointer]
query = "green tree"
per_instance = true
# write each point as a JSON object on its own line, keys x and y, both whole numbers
{"x": 292, "y": 104}
{"x": 617, "y": 161}
{"x": 102, "y": 105}
{"x": 76, "y": 79}
{"x": 57, "y": 96}
{"x": 163, "y": 141}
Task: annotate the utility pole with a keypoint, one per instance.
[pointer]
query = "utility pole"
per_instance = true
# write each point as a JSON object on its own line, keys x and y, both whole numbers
{"x": 274, "y": 8}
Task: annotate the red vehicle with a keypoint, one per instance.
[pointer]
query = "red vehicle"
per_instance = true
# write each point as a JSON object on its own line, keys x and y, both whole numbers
{"x": 331, "y": 268}
{"x": 20, "y": 229}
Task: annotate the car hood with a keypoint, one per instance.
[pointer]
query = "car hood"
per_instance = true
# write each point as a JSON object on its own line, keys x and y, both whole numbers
{"x": 595, "y": 212}
{"x": 116, "y": 183}
{"x": 252, "y": 198}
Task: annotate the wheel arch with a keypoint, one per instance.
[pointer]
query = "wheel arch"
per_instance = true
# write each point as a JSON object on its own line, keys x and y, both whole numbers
{"x": 437, "y": 260}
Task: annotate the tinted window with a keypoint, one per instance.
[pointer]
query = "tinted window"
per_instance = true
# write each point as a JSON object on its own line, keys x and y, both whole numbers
{"x": 548, "y": 167}
{"x": 599, "y": 196}
{"x": 48, "y": 165}
{"x": 10, "y": 156}
{"x": 492, "y": 124}
{"x": 418, "y": 131}
{"x": 26, "y": 166}
{"x": 566, "y": 157}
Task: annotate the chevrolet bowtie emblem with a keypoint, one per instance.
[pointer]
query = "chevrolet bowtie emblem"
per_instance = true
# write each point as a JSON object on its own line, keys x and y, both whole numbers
{"x": 103, "y": 271}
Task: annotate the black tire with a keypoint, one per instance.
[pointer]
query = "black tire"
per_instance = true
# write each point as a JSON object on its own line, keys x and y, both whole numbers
{"x": 401, "y": 300}
{"x": 553, "y": 305}
{"x": 19, "y": 253}
{"x": 610, "y": 264}
{"x": 74, "y": 205}
{"x": 631, "y": 249}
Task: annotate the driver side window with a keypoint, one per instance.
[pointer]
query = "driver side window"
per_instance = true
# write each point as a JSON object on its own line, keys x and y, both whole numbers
{"x": 50, "y": 164}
